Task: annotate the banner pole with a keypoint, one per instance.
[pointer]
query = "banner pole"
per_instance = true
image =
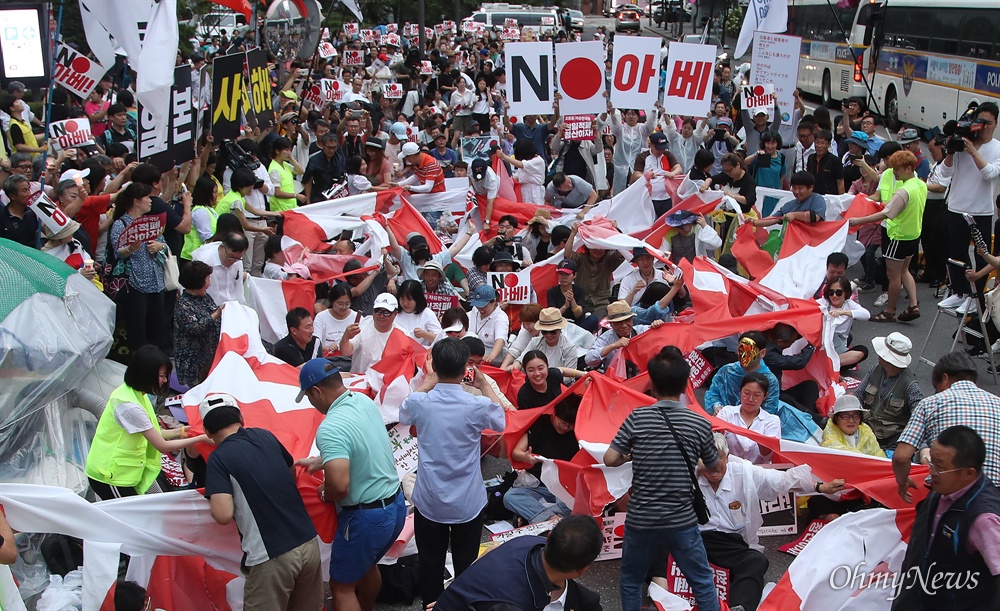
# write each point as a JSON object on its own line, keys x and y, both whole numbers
{"x": 48, "y": 117}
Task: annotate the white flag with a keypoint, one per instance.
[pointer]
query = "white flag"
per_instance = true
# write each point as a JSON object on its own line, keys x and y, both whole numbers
{"x": 765, "y": 16}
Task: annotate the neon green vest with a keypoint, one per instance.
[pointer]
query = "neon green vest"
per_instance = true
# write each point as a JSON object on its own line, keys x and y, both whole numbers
{"x": 118, "y": 458}
{"x": 225, "y": 205}
{"x": 26, "y": 134}
{"x": 280, "y": 204}
{"x": 192, "y": 240}
{"x": 888, "y": 185}
{"x": 908, "y": 223}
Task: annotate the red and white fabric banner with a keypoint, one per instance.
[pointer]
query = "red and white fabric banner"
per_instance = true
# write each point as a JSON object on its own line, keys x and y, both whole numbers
{"x": 315, "y": 224}
{"x": 398, "y": 373}
{"x": 272, "y": 299}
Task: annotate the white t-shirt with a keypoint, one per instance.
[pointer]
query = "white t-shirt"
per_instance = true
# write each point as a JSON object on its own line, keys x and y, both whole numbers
{"x": 490, "y": 329}
{"x": 329, "y": 330}
{"x": 425, "y": 320}
{"x": 368, "y": 346}
{"x": 532, "y": 179}
{"x": 972, "y": 189}
{"x": 132, "y": 417}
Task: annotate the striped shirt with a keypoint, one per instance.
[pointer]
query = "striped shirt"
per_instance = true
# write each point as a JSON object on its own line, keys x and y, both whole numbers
{"x": 662, "y": 495}
{"x": 962, "y": 403}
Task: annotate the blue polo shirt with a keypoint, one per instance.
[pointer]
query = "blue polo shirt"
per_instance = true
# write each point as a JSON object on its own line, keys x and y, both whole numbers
{"x": 253, "y": 467}
{"x": 815, "y": 202}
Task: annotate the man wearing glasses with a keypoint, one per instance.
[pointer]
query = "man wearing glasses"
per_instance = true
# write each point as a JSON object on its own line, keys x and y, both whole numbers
{"x": 17, "y": 221}
{"x": 20, "y": 165}
{"x": 227, "y": 277}
{"x": 868, "y": 125}
{"x": 364, "y": 342}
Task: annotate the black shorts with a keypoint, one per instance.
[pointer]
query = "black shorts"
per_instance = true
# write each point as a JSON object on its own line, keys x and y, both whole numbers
{"x": 899, "y": 250}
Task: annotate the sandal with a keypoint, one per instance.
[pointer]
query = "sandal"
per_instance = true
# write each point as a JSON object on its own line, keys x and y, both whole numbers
{"x": 884, "y": 316}
{"x": 910, "y": 313}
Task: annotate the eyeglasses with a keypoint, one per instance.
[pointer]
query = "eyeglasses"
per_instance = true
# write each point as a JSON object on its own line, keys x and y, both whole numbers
{"x": 746, "y": 394}
{"x": 835, "y": 292}
{"x": 383, "y": 313}
{"x": 23, "y": 166}
{"x": 553, "y": 332}
{"x": 935, "y": 471}
{"x": 850, "y": 415}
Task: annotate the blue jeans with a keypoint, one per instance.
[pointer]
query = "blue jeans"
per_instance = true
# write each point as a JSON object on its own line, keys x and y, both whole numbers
{"x": 640, "y": 548}
{"x": 534, "y": 504}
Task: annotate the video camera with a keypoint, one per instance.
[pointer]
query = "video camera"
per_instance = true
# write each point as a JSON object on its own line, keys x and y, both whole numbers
{"x": 965, "y": 127}
{"x": 237, "y": 158}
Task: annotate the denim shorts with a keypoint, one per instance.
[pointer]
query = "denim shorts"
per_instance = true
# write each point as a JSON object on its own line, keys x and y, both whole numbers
{"x": 363, "y": 537}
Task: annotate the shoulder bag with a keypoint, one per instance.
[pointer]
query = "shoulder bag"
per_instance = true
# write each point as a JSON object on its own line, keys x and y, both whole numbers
{"x": 700, "y": 506}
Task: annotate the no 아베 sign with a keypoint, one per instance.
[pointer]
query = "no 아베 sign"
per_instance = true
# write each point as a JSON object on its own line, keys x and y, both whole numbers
{"x": 512, "y": 287}
{"x": 581, "y": 77}
{"x": 688, "y": 88}
{"x": 68, "y": 134}
{"x": 75, "y": 72}
{"x": 529, "y": 78}
{"x": 635, "y": 75}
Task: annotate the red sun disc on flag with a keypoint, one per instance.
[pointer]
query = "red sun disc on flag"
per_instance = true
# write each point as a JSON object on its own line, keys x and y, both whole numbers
{"x": 510, "y": 280}
{"x": 758, "y": 90}
{"x": 71, "y": 126}
{"x": 581, "y": 78}
{"x": 80, "y": 64}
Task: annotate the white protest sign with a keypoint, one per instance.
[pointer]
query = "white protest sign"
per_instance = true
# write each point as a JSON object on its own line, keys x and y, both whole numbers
{"x": 581, "y": 78}
{"x": 688, "y": 89}
{"x": 439, "y": 30}
{"x": 404, "y": 450}
{"x": 779, "y": 516}
{"x": 468, "y": 26}
{"x": 510, "y": 22}
{"x": 775, "y": 60}
{"x": 327, "y": 50}
{"x": 70, "y": 133}
{"x": 353, "y": 57}
{"x": 351, "y": 29}
{"x": 393, "y": 91}
{"x": 76, "y": 72}
{"x": 426, "y": 67}
{"x": 367, "y": 35}
{"x": 635, "y": 74}
{"x": 512, "y": 287}
{"x": 47, "y": 211}
{"x": 758, "y": 97}
{"x": 531, "y": 529}
{"x": 391, "y": 28}
{"x": 614, "y": 537}
{"x": 390, "y": 39}
{"x": 530, "y": 89}
{"x": 511, "y": 34}
{"x": 335, "y": 90}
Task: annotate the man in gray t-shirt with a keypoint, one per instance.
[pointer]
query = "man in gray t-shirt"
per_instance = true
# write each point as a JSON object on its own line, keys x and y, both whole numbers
{"x": 570, "y": 191}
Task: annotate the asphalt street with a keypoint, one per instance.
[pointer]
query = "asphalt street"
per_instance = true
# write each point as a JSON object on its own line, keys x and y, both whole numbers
{"x": 603, "y": 577}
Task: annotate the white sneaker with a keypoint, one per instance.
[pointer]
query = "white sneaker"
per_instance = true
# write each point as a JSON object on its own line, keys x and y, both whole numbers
{"x": 882, "y": 300}
{"x": 952, "y": 302}
{"x": 967, "y": 306}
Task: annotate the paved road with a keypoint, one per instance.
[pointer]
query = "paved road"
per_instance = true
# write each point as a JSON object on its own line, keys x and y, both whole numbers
{"x": 603, "y": 576}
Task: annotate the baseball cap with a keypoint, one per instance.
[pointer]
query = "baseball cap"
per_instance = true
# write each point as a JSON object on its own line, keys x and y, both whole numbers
{"x": 479, "y": 167}
{"x": 291, "y": 95}
{"x": 483, "y": 294}
{"x": 908, "y": 135}
{"x": 289, "y": 116}
{"x": 640, "y": 251}
{"x": 725, "y": 121}
{"x": 386, "y": 301}
{"x": 658, "y": 140}
{"x": 567, "y": 266}
{"x": 215, "y": 401}
{"x": 312, "y": 373}
{"x": 681, "y": 217}
{"x": 76, "y": 176}
{"x": 410, "y": 148}
{"x": 860, "y": 138}
{"x": 399, "y": 128}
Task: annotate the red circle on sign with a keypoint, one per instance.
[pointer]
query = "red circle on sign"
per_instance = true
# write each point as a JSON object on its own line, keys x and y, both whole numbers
{"x": 513, "y": 119}
{"x": 510, "y": 280}
{"x": 80, "y": 64}
{"x": 336, "y": 85}
{"x": 758, "y": 90}
{"x": 315, "y": 89}
{"x": 581, "y": 78}
{"x": 71, "y": 126}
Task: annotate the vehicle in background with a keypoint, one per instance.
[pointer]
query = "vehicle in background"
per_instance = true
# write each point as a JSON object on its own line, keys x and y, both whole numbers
{"x": 627, "y": 19}
{"x": 576, "y": 20}
{"x": 613, "y": 9}
{"x": 702, "y": 39}
{"x": 671, "y": 11}
{"x": 211, "y": 24}
{"x": 539, "y": 19}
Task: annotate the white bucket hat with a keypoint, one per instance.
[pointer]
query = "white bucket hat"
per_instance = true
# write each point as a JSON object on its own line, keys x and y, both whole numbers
{"x": 894, "y": 349}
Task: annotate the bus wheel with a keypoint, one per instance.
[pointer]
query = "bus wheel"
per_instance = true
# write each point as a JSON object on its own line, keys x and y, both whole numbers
{"x": 827, "y": 91}
{"x": 892, "y": 110}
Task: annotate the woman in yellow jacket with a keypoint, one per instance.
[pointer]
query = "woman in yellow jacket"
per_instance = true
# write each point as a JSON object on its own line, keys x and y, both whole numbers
{"x": 124, "y": 459}
{"x": 283, "y": 170}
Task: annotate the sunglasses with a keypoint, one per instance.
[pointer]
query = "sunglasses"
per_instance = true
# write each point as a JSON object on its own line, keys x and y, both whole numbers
{"x": 550, "y": 332}
{"x": 835, "y": 292}
{"x": 383, "y": 313}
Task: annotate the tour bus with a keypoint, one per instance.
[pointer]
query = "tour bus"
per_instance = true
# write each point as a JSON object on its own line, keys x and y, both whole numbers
{"x": 539, "y": 19}
{"x": 935, "y": 58}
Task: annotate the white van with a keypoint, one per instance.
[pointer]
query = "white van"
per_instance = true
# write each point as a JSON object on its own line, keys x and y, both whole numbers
{"x": 539, "y": 19}
{"x": 211, "y": 24}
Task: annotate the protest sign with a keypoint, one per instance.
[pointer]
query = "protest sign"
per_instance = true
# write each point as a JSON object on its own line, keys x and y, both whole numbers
{"x": 510, "y": 22}
{"x": 368, "y": 35}
{"x": 758, "y": 97}
{"x": 390, "y": 39}
{"x": 530, "y": 88}
{"x": 426, "y": 68}
{"x": 439, "y": 304}
{"x": 578, "y": 127}
{"x": 468, "y": 26}
{"x": 353, "y": 57}
{"x": 47, "y": 211}
{"x": 775, "y": 60}
{"x": 327, "y": 50}
{"x": 175, "y": 145}
{"x": 614, "y": 536}
{"x": 391, "y": 28}
{"x": 404, "y": 449}
{"x": 142, "y": 229}
{"x": 701, "y": 369}
{"x": 635, "y": 74}
{"x": 351, "y": 29}
{"x": 779, "y": 516}
{"x": 795, "y": 547}
{"x": 688, "y": 89}
{"x": 678, "y": 585}
{"x": 393, "y": 91}
{"x": 70, "y": 133}
{"x": 531, "y": 529}
{"x": 477, "y": 147}
{"x": 257, "y": 105}
{"x": 75, "y": 72}
{"x": 581, "y": 77}
{"x": 227, "y": 91}
{"x": 512, "y": 287}
{"x": 510, "y": 34}
{"x": 439, "y": 30}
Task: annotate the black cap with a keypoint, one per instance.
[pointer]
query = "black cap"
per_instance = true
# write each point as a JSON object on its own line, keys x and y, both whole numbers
{"x": 479, "y": 167}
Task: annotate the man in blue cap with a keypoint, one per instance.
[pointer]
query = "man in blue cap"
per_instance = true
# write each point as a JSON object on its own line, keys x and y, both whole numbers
{"x": 359, "y": 476}
{"x": 489, "y": 322}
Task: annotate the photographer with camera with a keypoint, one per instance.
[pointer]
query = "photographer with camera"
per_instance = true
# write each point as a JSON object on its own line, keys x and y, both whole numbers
{"x": 507, "y": 241}
{"x": 972, "y": 162}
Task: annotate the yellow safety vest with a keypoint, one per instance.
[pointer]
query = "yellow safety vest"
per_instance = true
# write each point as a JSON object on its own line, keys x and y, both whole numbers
{"x": 123, "y": 459}
{"x": 225, "y": 205}
{"x": 280, "y": 204}
{"x": 192, "y": 240}
{"x": 27, "y": 134}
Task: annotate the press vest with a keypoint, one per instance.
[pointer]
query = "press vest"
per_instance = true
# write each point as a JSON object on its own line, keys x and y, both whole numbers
{"x": 279, "y": 204}
{"x": 948, "y": 552}
{"x": 887, "y": 416}
{"x": 225, "y": 205}
{"x": 192, "y": 240}
{"x": 908, "y": 223}
{"x": 123, "y": 459}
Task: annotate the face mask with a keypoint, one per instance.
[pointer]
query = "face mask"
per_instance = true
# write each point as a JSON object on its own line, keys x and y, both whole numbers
{"x": 747, "y": 351}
